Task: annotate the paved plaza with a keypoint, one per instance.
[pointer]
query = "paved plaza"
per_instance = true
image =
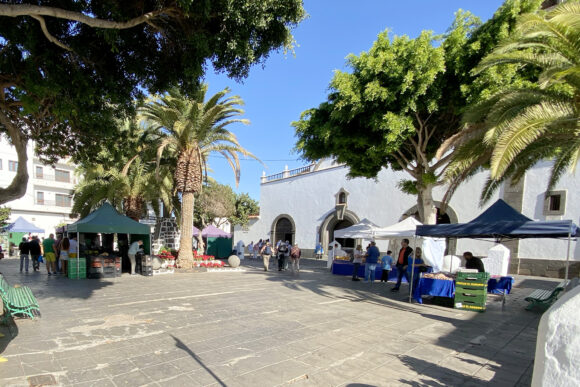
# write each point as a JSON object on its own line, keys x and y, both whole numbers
{"x": 256, "y": 328}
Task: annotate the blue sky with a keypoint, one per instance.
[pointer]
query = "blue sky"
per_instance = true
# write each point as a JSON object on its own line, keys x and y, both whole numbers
{"x": 288, "y": 84}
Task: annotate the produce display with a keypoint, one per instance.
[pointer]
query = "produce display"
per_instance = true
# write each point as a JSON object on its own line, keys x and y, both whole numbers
{"x": 440, "y": 276}
{"x": 342, "y": 258}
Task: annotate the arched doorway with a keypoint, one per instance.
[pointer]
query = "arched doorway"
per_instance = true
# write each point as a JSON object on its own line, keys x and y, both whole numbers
{"x": 283, "y": 229}
{"x": 332, "y": 223}
{"x": 344, "y": 242}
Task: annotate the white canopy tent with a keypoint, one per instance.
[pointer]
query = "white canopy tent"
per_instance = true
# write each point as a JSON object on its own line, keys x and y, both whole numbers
{"x": 433, "y": 250}
{"x": 364, "y": 229}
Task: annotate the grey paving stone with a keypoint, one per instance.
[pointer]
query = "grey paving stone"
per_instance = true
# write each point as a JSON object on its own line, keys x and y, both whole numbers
{"x": 255, "y": 328}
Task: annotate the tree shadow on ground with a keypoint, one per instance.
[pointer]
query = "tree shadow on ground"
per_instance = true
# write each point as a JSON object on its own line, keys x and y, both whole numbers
{"x": 181, "y": 345}
{"x": 8, "y": 332}
{"x": 510, "y": 331}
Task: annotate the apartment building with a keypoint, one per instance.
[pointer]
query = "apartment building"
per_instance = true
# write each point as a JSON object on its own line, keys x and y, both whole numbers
{"x": 48, "y": 199}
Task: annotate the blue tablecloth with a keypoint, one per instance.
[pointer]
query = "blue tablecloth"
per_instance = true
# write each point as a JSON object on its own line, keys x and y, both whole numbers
{"x": 345, "y": 268}
{"x": 433, "y": 287}
{"x": 445, "y": 288}
{"x": 502, "y": 285}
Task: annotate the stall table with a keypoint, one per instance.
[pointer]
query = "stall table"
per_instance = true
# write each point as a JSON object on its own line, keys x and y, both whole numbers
{"x": 340, "y": 267}
{"x": 446, "y": 288}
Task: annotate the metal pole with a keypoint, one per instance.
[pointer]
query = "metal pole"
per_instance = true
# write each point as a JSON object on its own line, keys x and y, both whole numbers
{"x": 413, "y": 268}
{"x": 78, "y": 257}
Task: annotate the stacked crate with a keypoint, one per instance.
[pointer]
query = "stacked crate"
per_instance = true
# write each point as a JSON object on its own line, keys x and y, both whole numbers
{"x": 111, "y": 267}
{"x": 77, "y": 268}
{"x": 471, "y": 291}
{"x": 146, "y": 265}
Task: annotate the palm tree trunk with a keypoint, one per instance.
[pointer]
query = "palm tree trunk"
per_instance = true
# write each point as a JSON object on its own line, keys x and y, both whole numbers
{"x": 185, "y": 246}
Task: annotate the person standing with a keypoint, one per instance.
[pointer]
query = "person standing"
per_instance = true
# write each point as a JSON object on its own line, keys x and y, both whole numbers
{"x": 49, "y": 254}
{"x": 57, "y": 247}
{"x": 133, "y": 250}
{"x": 64, "y": 250}
{"x": 266, "y": 253}
{"x": 74, "y": 247}
{"x": 251, "y": 249}
{"x": 402, "y": 263}
{"x": 387, "y": 262}
{"x": 331, "y": 254}
{"x": 319, "y": 251}
{"x": 24, "y": 254}
{"x": 357, "y": 261}
{"x": 295, "y": 254}
{"x": 372, "y": 259}
{"x": 281, "y": 252}
{"x": 471, "y": 262}
{"x": 35, "y": 252}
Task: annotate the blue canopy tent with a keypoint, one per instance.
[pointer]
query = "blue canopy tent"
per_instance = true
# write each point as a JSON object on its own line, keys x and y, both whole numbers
{"x": 501, "y": 221}
{"x": 22, "y": 225}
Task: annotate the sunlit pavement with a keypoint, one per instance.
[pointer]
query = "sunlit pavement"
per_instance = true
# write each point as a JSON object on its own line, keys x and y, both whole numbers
{"x": 256, "y": 328}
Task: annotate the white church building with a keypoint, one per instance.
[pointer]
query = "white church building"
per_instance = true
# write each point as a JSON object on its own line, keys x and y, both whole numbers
{"x": 306, "y": 205}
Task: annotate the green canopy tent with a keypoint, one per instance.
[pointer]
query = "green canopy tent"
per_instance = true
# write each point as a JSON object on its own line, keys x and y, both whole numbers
{"x": 107, "y": 220}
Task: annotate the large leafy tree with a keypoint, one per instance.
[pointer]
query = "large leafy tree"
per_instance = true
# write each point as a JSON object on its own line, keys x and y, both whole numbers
{"x": 69, "y": 69}
{"x": 189, "y": 129}
{"x": 245, "y": 206}
{"x": 215, "y": 202}
{"x": 513, "y": 129}
{"x": 403, "y": 98}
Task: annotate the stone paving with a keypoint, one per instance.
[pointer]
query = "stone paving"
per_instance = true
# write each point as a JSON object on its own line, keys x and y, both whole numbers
{"x": 256, "y": 328}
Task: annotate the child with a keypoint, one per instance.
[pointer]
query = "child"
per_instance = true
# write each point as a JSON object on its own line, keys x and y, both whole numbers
{"x": 387, "y": 262}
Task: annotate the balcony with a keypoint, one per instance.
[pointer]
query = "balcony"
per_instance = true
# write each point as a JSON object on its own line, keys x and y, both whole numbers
{"x": 289, "y": 173}
{"x": 53, "y": 203}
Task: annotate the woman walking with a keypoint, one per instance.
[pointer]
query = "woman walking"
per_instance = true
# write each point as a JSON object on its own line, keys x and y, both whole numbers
{"x": 64, "y": 249}
{"x": 295, "y": 254}
{"x": 266, "y": 253}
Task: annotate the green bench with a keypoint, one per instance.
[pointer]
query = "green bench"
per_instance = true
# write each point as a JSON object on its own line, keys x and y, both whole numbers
{"x": 18, "y": 300}
{"x": 544, "y": 298}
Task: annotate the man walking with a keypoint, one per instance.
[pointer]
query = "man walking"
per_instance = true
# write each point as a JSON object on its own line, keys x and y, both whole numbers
{"x": 402, "y": 263}
{"x": 24, "y": 254}
{"x": 49, "y": 254}
{"x": 35, "y": 252}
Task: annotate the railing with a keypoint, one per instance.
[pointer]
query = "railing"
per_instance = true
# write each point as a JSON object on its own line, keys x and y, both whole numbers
{"x": 289, "y": 173}
{"x": 51, "y": 177}
{"x": 52, "y": 203}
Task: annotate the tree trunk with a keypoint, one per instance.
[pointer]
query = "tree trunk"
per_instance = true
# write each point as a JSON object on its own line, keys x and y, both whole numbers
{"x": 185, "y": 245}
{"x": 200, "y": 244}
{"x": 133, "y": 207}
{"x": 17, "y": 188}
{"x": 426, "y": 206}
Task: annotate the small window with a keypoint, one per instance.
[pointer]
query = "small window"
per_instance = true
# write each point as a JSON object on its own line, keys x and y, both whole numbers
{"x": 342, "y": 198}
{"x": 62, "y": 176}
{"x": 40, "y": 197}
{"x": 39, "y": 173}
{"x": 12, "y": 165}
{"x": 555, "y": 203}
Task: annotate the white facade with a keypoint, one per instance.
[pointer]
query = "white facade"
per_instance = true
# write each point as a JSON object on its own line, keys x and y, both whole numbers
{"x": 308, "y": 198}
{"x": 48, "y": 198}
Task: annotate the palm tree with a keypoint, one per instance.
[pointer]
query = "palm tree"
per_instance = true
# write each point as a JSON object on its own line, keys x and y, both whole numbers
{"x": 189, "y": 129}
{"x": 128, "y": 184}
{"x": 515, "y": 128}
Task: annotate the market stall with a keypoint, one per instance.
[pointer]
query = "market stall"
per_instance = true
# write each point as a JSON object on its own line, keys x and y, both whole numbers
{"x": 218, "y": 242}
{"x": 499, "y": 221}
{"x": 98, "y": 256}
{"x": 14, "y": 232}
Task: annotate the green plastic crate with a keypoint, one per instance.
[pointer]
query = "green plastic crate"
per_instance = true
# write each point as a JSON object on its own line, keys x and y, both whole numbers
{"x": 466, "y": 305}
{"x": 472, "y": 298}
{"x": 477, "y": 291}
{"x": 473, "y": 277}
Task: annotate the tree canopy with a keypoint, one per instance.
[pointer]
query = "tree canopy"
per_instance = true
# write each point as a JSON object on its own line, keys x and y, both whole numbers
{"x": 69, "y": 69}
{"x": 522, "y": 124}
{"x": 404, "y": 97}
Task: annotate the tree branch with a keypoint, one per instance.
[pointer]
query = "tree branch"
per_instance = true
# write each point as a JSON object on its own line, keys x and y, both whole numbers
{"x": 441, "y": 162}
{"x": 17, "y": 188}
{"x": 48, "y": 35}
{"x": 15, "y": 10}
{"x": 404, "y": 164}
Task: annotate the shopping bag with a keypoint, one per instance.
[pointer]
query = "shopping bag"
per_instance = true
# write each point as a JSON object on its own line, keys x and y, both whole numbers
{"x": 40, "y": 259}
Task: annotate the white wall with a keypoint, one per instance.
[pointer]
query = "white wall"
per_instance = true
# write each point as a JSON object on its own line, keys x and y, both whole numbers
{"x": 534, "y": 192}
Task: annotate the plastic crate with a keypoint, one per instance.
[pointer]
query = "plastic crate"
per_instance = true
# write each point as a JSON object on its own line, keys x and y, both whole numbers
{"x": 471, "y": 277}
{"x": 73, "y": 274}
{"x": 474, "y": 290}
{"x": 469, "y": 305}
{"x": 472, "y": 298}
